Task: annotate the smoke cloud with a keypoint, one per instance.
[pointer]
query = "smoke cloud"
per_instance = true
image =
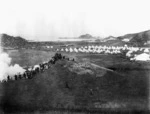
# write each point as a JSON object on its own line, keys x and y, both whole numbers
{"x": 6, "y": 68}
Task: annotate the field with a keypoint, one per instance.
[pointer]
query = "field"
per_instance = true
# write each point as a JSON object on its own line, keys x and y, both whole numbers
{"x": 124, "y": 88}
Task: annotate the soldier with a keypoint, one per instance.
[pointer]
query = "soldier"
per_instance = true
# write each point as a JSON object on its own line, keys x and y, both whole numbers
{"x": 63, "y": 57}
{"x": 20, "y": 76}
{"x": 33, "y": 73}
{"x": 16, "y": 77}
{"x": 28, "y": 74}
{"x": 46, "y": 66}
{"x": 41, "y": 67}
{"x": 8, "y": 78}
{"x": 91, "y": 92}
{"x": 37, "y": 70}
{"x": 24, "y": 75}
{"x": 52, "y": 61}
{"x": 49, "y": 65}
{"x": 67, "y": 85}
{"x": 59, "y": 56}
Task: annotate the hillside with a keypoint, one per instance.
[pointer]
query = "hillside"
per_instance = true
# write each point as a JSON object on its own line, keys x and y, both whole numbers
{"x": 11, "y": 41}
{"x": 62, "y": 87}
{"x": 108, "y": 38}
{"x": 141, "y": 39}
{"x": 86, "y": 36}
{"x": 137, "y": 39}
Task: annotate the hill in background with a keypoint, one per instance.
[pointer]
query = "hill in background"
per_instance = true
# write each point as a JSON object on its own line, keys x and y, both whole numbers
{"x": 11, "y": 41}
{"x": 86, "y": 36}
{"x": 138, "y": 39}
{"x": 141, "y": 39}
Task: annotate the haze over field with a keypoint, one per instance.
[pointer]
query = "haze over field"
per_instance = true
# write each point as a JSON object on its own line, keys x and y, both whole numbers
{"x": 47, "y": 20}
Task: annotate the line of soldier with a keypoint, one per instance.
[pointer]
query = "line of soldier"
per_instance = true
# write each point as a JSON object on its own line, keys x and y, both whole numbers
{"x": 31, "y": 72}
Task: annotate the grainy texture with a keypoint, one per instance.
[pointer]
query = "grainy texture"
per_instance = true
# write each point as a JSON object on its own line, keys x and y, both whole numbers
{"x": 58, "y": 88}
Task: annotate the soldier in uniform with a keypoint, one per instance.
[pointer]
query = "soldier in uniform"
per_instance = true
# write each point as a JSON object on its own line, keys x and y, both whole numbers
{"x": 28, "y": 74}
{"x": 42, "y": 67}
{"x": 37, "y": 70}
{"x": 33, "y": 73}
{"x": 20, "y": 77}
{"x": 48, "y": 65}
{"x": 16, "y": 77}
{"x": 24, "y": 75}
{"x": 63, "y": 57}
{"x": 8, "y": 77}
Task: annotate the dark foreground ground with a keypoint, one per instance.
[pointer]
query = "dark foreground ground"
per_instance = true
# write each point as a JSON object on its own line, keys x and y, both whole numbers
{"x": 61, "y": 90}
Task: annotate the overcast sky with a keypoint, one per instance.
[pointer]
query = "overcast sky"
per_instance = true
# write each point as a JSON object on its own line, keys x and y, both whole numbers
{"x": 50, "y": 19}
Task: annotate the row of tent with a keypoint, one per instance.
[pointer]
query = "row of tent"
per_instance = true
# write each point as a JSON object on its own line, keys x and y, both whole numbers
{"x": 100, "y": 49}
{"x": 133, "y": 53}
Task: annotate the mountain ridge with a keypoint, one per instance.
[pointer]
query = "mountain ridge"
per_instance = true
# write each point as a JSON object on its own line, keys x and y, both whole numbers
{"x": 137, "y": 39}
{"x": 140, "y": 39}
{"x": 11, "y": 41}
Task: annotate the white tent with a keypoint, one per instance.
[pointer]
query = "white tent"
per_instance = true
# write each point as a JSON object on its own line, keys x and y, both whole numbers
{"x": 142, "y": 57}
{"x": 75, "y": 49}
{"x": 66, "y": 50}
{"x": 128, "y": 54}
{"x": 71, "y": 50}
{"x": 146, "y": 50}
{"x": 62, "y": 49}
{"x": 57, "y": 50}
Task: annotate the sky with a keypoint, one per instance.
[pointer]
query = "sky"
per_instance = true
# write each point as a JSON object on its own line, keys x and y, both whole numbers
{"x": 46, "y": 20}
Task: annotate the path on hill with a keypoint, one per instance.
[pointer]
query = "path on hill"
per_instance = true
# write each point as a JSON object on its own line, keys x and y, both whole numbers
{"x": 101, "y": 67}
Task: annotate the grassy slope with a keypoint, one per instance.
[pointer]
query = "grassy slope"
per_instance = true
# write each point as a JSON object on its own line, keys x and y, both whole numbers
{"x": 60, "y": 88}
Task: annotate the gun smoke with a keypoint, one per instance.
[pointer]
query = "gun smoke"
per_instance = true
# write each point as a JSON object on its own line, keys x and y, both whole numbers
{"x": 6, "y": 68}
